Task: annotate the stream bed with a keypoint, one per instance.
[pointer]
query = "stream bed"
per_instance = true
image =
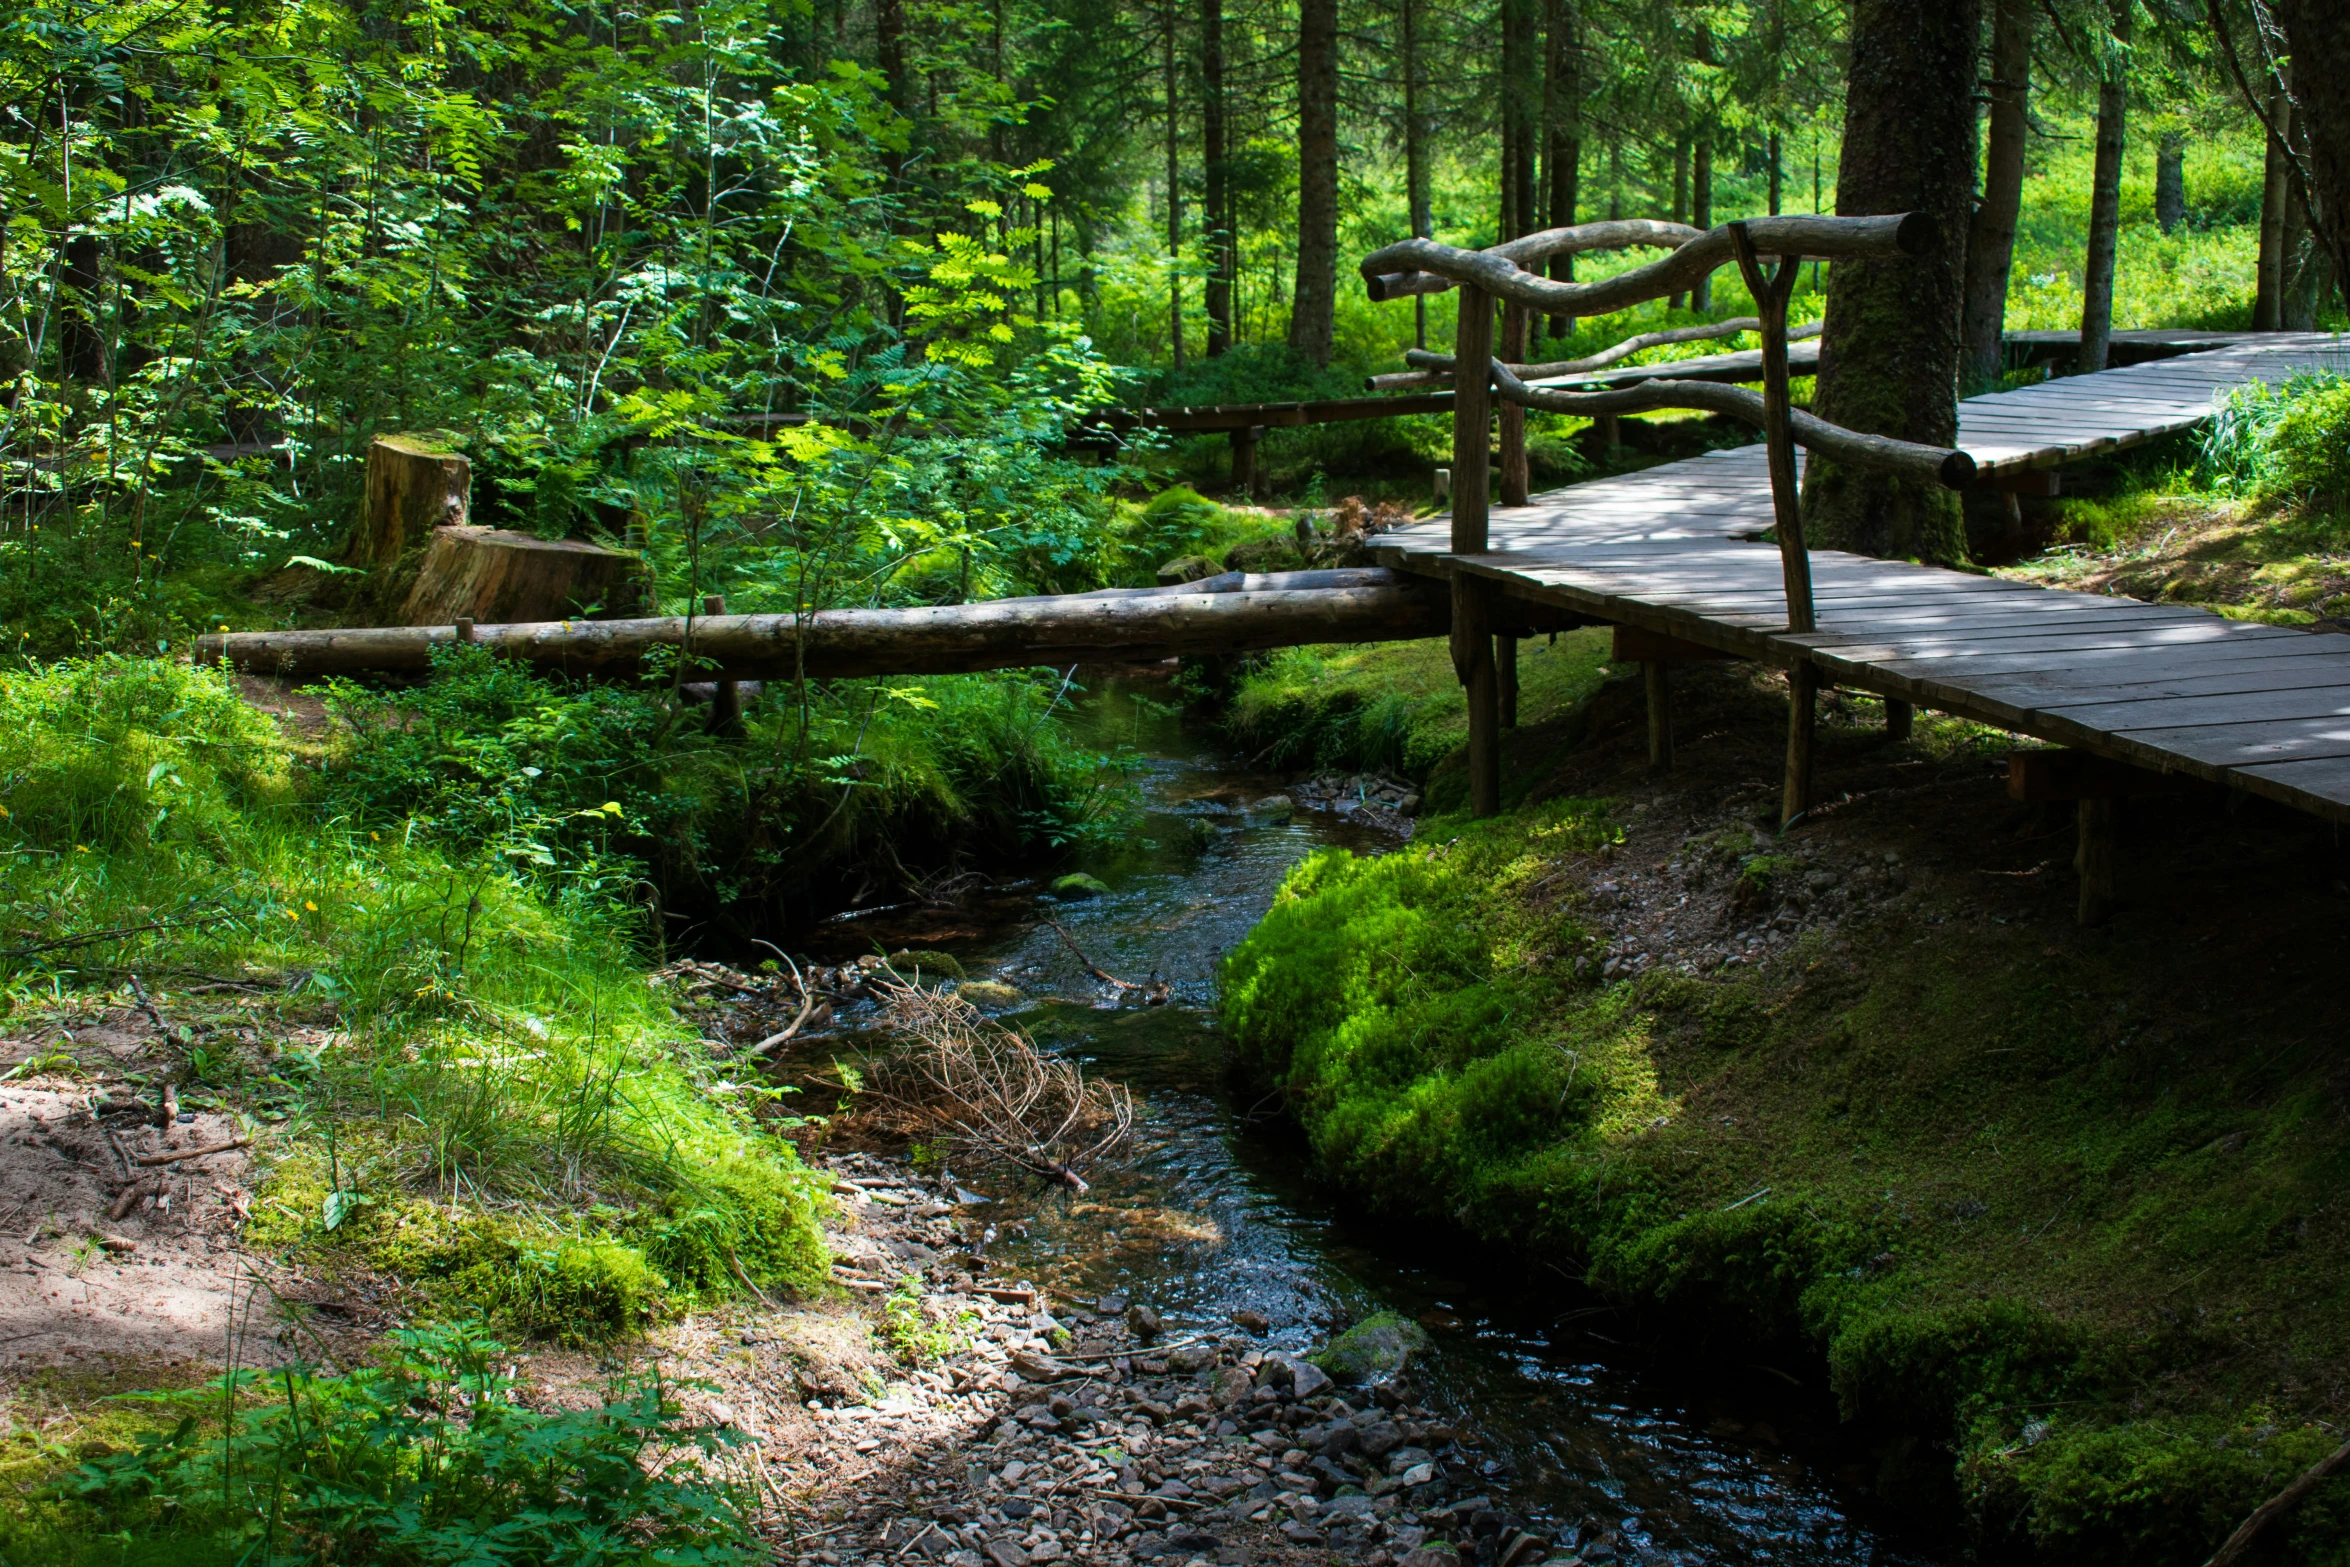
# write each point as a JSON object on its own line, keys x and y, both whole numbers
{"x": 1216, "y": 1212}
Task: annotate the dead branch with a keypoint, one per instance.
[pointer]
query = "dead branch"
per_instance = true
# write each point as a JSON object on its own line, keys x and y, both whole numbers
{"x": 2276, "y": 1506}
{"x": 989, "y": 1089}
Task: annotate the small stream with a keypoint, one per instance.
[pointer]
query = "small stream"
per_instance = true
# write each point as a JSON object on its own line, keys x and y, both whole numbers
{"x": 1218, "y": 1210}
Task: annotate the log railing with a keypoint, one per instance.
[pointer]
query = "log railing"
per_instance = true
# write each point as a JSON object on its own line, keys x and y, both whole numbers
{"x": 1767, "y": 252}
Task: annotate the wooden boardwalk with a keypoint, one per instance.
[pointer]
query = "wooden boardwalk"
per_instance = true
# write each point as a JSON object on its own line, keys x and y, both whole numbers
{"x": 1674, "y": 550}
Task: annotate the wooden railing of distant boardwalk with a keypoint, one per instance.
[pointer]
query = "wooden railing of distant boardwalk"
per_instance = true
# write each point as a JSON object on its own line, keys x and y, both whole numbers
{"x": 1767, "y": 253}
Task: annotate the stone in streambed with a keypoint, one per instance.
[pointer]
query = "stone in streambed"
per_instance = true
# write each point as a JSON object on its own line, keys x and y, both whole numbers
{"x": 1274, "y": 810}
{"x": 989, "y": 993}
{"x": 1143, "y": 1321}
{"x": 1378, "y": 1346}
{"x": 1076, "y": 887}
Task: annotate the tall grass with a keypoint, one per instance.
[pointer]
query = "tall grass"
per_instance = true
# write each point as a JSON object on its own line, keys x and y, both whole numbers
{"x": 500, "y": 1106}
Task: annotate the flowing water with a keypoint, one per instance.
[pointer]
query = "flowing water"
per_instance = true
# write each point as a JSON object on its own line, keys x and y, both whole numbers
{"x": 1687, "y": 1462}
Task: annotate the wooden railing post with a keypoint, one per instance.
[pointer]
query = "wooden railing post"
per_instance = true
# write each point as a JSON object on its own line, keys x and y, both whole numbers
{"x": 1472, "y": 483}
{"x": 1771, "y": 292}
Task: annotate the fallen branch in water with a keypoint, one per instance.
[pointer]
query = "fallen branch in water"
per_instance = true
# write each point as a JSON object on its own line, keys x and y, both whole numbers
{"x": 988, "y": 1088}
{"x": 1155, "y": 992}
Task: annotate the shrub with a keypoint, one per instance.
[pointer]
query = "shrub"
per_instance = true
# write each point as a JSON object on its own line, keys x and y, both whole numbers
{"x": 423, "y": 1461}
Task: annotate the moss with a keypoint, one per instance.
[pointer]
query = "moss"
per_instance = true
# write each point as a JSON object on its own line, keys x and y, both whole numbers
{"x": 1380, "y": 1345}
{"x": 2049, "y": 1230}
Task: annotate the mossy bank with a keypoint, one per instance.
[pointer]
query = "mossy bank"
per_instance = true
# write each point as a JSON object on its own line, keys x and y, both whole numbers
{"x": 2055, "y": 1211}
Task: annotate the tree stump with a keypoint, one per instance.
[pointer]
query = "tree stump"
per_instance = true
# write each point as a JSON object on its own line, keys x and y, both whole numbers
{"x": 414, "y": 485}
{"x": 495, "y": 576}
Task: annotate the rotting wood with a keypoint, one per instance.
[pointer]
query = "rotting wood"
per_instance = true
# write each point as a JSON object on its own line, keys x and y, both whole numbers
{"x": 414, "y": 484}
{"x": 838, "y": 644}
{"x": 2240, "y": 1541}
{"x": 176, "y": 1155}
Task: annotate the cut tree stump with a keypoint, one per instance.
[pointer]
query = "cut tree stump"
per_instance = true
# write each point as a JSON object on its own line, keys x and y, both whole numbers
{"x": 494, "y": 576}
{"x": 414, "y": 484}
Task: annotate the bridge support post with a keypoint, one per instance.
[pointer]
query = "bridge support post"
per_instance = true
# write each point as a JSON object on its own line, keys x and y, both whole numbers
{"x": 1244, "y": 460}
{"x": 1803, "y": 693}
{"x": 1472, "y": 598}
{"x": 1659, "y": 676}
{"x": 726, "y": 702}
{"x": 1899, "y": 717}
{"x": 1505, "y": 665}
{"x": 2093, "y": 859}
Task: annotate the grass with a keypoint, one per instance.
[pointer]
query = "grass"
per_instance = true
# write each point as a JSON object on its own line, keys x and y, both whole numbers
{"x": 458, "y": 1068}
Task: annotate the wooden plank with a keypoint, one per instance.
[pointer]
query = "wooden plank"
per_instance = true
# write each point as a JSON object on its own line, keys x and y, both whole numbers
{"x": 2233, "y": 707}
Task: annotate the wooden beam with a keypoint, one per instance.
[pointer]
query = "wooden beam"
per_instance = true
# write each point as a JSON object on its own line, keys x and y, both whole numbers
{"x": 1516, "y": 475}
{"x": 1637, "y": 646}
{"x": 1803, "y": 691}
{"x": 2043, "y": 777}
{"x": 726, "y": 702}
{"x": 1505, "y": 665}
{"x": 2093, "y": 858}
{"x": 1900, "y": 718}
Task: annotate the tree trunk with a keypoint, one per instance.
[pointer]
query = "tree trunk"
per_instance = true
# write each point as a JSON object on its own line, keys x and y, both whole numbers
{"x": 2170, "y": 180}
{"x": 1680, "y": 201}
{"x": 1562, "y": 115}
{"x": 1215, "y": 214}
{"x": 1990, "y": 254}
{"x": 1415, "y": 152}
{"x": 842, "y": 644}
{"x": 1889, "y": 358}
{"x": 1701, "y": 202}
{"x": 1772, "y": 151}
{"x": 2105, "y": 197}
{"x": 489, "y": 575}
{"x": 1174, "y": 193}
{"x": 1312, "y": 312}
{"x": 889, "y": 32}
{"x": 2318, "y": 35}
{"x": 413, "y": 486}
{"x": 2302, "y": 267}
{"x": 1526, "y": 99}
{"x": 2276, "y": 185}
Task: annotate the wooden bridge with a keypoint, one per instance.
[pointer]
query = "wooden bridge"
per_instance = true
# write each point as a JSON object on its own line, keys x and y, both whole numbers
{"x": 1674, "y": 552}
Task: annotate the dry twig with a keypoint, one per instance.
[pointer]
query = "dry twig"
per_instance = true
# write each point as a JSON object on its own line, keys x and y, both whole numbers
{"x": 991, "y": 1090}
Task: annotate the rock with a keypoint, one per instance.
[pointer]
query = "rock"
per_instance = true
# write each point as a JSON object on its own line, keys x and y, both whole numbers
{"x": 1183, "y": 1362}
{"x": 1274, "y": 810}
{"x": 1306, "y": 1380}
{"x": 1405, "y": 1458}
{"x": 987, "y": 993}
{"x": 1143, "y": 1322}
{"x": 1380, "y": 1438}
{"x": 1192, "y": 1540}
{"x": 1430, "y": 1556}
{"x": 1271, "y": 554}
{"x": 1378, "y": 1346}
{"x": 1298, "y": 1533}
{"x": 1232, "y": 1385}
{"x": 1076, "y": 887}
{"x": 1185, "y": 568}
{"x": 1418, "y": 1474}
{"x": 1409, "y": 805}
{"x": 1039, "y": 1368}
{"x": 1255, "y": 1321}
{"x": 1005, "y": 1554}
{"x": 928, "y": 965}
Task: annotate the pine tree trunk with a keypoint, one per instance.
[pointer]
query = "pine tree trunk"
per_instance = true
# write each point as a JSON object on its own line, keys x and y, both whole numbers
{"x": 1174, "y": 192}
{"x": 1215, "y": 218}
{"x": 2302, "y": 267}
{"x": 2170, "y": 181}
{"x": 1415, "y": 152}
{"x": 1889, "y": 357}
{"x": 1313, "y": 311}
{"x": 414, "y": 485}
{"x": 1701, "y": 202}
{"x": 2105, "y": 198}
{"x": 1990, "y": 253}
{"x": 2318, "y": 33}
{"x": 1773, "y": 152}
{"x": 1562, "y": 99}
{"x": 2269, "y": 289}
{"x": 1680, "y": 202}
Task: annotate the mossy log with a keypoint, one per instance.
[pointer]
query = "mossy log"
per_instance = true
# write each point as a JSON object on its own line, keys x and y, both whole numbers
{"x": 493, "y": 574}
{"x": 835, "y": 644}
{"x": 414, "y": 484}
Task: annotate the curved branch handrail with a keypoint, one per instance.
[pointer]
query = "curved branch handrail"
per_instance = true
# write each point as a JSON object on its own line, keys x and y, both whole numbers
{"x": 1829, "y": 239}
{"x": 1614, "y": 234}
{"x": 1951, "y": 469}
{"x": 1435, "y": 370}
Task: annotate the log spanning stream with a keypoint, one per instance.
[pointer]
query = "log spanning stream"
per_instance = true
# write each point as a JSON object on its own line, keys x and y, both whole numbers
{"x": 1577, "y": 1422}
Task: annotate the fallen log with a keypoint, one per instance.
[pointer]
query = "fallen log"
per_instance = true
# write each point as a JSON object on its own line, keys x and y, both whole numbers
{"x": 838, "y": 644}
